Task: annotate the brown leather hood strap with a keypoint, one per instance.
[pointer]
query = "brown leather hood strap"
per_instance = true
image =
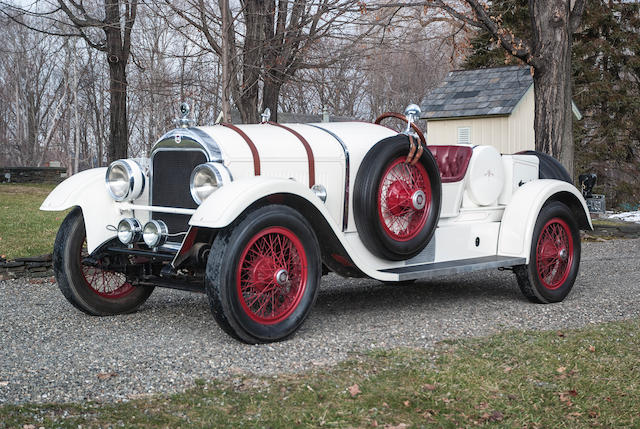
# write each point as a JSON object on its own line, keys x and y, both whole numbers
{"x": 252, "y": 147}
{"x": 414, "y": 155}
{"x": 307, "y": 147}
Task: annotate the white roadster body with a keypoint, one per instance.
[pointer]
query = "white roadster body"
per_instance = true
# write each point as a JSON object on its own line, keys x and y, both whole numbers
{"x": 483, "y": 210}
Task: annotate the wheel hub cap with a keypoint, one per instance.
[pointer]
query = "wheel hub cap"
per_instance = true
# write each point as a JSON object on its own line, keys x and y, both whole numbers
{"x": 563, "y": 254}
{"x": 418, "y": 199}
{"x": 281, "y": 276}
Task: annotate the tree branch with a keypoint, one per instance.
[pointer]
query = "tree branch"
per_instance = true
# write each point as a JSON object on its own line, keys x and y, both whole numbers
{"x": 576, "y": 15}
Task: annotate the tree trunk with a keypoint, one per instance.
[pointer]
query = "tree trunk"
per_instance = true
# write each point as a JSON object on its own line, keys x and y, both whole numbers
{"x": 552, "y": 80}
{"x": 270, "y": 97}
{"x": 226, "y": 105}
{"x": 118, "y": 126}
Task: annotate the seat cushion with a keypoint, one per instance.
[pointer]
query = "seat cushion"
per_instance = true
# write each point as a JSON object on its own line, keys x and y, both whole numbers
{"x": 452, "y": 161}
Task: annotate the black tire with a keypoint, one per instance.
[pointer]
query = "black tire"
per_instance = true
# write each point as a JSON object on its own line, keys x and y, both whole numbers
{"x": 99, "y": 295}
{"x": 551, "y": 273}
{"x": 245, "y": 260}
{"x": 373, "y": 227}
{"x": 549, "y": 167}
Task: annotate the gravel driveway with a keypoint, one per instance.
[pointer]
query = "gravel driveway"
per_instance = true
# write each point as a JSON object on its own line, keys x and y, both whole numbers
{"x": 51, "y": 352}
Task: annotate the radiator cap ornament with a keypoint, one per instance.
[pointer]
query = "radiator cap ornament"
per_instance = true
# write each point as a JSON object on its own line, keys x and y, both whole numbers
{"x": 183, "y": 121}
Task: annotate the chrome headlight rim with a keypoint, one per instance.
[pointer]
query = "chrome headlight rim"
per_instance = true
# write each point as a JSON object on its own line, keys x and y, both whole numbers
{"x": 216, "y": 171}
{"x": 135, "y": 178}
{"x": 130, "y": 226}
{"x": 159, "y": 230}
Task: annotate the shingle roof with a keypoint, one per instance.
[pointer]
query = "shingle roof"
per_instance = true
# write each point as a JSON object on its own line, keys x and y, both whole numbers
{"x": 481, "y": 92}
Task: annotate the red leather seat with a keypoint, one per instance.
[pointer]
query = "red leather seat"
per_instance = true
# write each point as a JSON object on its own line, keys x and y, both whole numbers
{"x": 452, "y": 161}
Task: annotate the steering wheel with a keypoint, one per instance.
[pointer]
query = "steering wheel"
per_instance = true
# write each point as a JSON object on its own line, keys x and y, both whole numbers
{"x": 400, "y": 116}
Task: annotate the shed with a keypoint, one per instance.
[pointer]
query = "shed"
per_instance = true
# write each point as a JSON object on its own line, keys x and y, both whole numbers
{"x": 493, "y": 106}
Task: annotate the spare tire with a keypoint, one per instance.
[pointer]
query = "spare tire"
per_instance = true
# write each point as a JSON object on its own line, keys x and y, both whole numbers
{"x": 549, "y": 167}
{"x": 396, "y": 205}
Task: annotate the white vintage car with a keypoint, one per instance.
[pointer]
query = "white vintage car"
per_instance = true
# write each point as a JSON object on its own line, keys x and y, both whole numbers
{"x": 253, "y": 215}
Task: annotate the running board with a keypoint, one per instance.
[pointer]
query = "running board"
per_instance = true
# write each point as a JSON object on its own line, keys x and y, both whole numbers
{"x": 440, "y": 269}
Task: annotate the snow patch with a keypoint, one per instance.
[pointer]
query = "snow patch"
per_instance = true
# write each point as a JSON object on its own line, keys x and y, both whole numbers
{"x": 627, "y": 216}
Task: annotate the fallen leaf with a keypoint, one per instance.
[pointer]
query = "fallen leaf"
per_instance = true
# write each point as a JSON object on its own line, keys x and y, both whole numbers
{"x": 399, "y": 426}
{"x": 384, "y": 404}
{"x": 406, "y": 403}
{"x": 575, "y": 414}
{"x": 430, "y": 387}
{"x": 593, "y": 414}
{"x": 561, "y": 369}
{"x": 496, "y": 416}
{"x": 560, "y": 334}
{"x": 374, "y": 423}
{"x": 592, "y": 349}
{"x": 354, "y": 390}
{"x": 508, "y": 369}
{"x": 106, "y": 375}
{"x": 28, "y": 426}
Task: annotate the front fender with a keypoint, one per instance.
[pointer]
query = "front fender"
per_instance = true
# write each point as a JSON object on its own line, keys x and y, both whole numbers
{"x": 519, "y": 219}
{"x": 88, "y": 191}
{"x": 226, "y": 204}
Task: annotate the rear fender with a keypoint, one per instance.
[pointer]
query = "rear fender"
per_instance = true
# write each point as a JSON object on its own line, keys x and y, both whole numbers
{"x": 88, "y": 191}
{"x": 519, "y": 219}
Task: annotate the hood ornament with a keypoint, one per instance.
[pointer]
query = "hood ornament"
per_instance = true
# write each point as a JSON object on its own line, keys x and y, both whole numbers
{"x": 183, "y": 121}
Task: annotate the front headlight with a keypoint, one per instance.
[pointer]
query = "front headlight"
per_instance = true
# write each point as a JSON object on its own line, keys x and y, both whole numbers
{"x": 125, "y": 180}
{"x": 206, "y": 179}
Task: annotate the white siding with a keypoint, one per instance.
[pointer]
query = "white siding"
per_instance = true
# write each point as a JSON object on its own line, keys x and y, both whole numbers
{"x": 521, "y": 133}
{"x": 492, "y": 131}
{"x": 508, "y": 134}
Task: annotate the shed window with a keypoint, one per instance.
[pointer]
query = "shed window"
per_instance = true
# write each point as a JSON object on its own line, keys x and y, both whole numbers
{"x": 464, "y": 135}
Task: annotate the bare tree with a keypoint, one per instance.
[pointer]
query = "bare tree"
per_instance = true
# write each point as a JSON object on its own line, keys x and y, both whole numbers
{"x": 107, "y": 29}
{"x": 266, "y": 42}
{"x": 34, "y": 93}
{"x": 116, "y": 26}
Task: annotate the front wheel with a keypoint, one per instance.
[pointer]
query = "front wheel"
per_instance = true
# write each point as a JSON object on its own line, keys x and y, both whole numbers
{"x": 91, "y": 289}
{"x": 263, "y": 274}
{"x": 555, "y": 256}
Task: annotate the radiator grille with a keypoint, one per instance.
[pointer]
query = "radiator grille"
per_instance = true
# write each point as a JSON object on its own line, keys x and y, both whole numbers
{"x": 170, "y": 188}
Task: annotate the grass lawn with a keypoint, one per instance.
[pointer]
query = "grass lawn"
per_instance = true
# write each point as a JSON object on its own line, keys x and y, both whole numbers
{"x": 575, "y": 378}
{"x": 25, "y": 230}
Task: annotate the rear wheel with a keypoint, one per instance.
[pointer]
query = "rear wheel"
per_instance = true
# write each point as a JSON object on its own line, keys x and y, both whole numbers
{"x": 555, "y": 256}
{"x": 91, "y": 289}
{"x": 263, "y": 274}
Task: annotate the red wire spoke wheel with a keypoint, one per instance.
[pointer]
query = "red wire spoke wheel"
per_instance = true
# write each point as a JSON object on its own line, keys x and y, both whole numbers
{"x": 554, "y": 253}
{"x": 396, "y": 204}
{"x": 272, "y": 275}
{"x": 107, "y": 284}
{"x": 263, "y": 274}
{"x": 554, "y": 256}
{"x": 404, "y": 199}
{"x": 91, "y": 289}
